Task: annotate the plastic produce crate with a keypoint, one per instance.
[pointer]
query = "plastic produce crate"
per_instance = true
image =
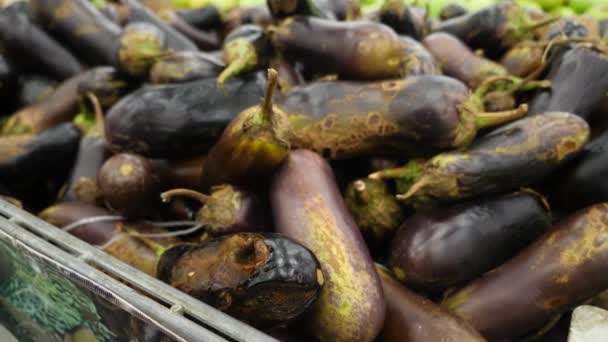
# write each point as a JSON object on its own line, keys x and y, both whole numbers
{"x": 61, "y": 287}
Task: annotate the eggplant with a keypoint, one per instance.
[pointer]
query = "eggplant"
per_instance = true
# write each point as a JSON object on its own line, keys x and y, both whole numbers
{"x": 354, "y": 50}
{"x": 140, "y": 45}
{"x": 494, "y": 28}
{"x": 251, "y": 147}
{"x": 82, "y": 27}
{"x": 308, "y": 207}
{"x": 226, "y": 210}
{"x": 34, "y": 88}
{"x": 178, "y": 121}
{"x": 411, "y": 317}
{"x": 185, "y": 66}
{"x": 8, "y": 84}
{"x": 505, "y": 159}
{"x": 185, "y": 173}
{"x": 256, "y": 14}
{"x": 420, "y": 115}
{"x": 405, "y": 19}
{"x": 452, "y": 10}
{"x": 29, "y": 45}
{"x": 449, "y": 246}
{"x": 264, "y": 280}
{"x": 130, "y": 185}
{"x": 523, "y": 58}
{"x": 117, "y": 237}
{"x": 26, "y": 158}
{"x": 281, "y": 9}
{"x": 245, "y": 49}
{"x": 560, "y": 270}
{"x": 418, "y": 60}
{"x": 576, "y": 85}
{"x": 344, "y": 10}
{"x": 204, "y": 18}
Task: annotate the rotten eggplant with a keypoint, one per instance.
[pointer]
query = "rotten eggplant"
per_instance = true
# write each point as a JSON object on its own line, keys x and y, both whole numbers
{"x": 560, "y": 270}
{"x": 185, "y": 66}
{"x": 505, "y": 159}
{"x": 178, "y": 120}
{"x": 264, "y": 280}
{"x": 448, "y": 246}
{"x": 307, "y": 206}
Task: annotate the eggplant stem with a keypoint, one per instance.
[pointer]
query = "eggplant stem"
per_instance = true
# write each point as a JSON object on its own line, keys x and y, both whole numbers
{"x": 415, "y": 188}
{"x": 167, "y": 195}
{"x": 387, "y": 174}
{"x": 273, "y": 78}
{"x": 489, "y": 119}
{"x": 239, "y": 56}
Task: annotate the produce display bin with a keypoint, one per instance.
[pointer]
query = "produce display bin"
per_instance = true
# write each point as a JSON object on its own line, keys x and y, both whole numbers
{"x": 59, "y": 286}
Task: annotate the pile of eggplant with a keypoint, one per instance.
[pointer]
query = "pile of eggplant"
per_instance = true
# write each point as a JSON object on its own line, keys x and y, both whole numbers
{"x": 318, "y": 172}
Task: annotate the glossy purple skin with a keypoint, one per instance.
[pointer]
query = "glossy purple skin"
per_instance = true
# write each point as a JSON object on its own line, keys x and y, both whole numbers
{"x": 308, "y": 207}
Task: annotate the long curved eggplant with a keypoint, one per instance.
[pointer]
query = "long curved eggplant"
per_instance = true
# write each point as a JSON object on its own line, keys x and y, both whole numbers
{"x": 443, "y": 247}
{"x": 308, "y": 207}
{"x": 181, "y": 120}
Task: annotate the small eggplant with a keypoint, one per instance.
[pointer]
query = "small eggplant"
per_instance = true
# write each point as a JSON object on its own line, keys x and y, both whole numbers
{"x": 30, "y": 157}
{"x": 580, "y": 183}
{"x": 79, "y": 24}
{"x": 505, "y": 159}
{"x": 308, "y": 207}
{"x": 176, "y": 41}
{"x": 264, "y": 280}
{"x": 62, "y": 105}
{"x": 354, "y": 50}
{"x": 576, "y": 87}
{"x": 178, "y": 120}
{"x": 452, "y": 10}
{"x": 246, "y": 48}
{"x": 412, "y": 318}
{"x": 495, "y": 28}
{"x": 204, "y": 18}
{"x": 449, "y": 246}
{"x": 117, "y": 237}
{"x": 417, "y": 59}
{"x": 405, "y": 19}
{"x": 419, "y": 115}
{"x": 560, "y": 270}
{"x": 164, "y": 9}
{"x": 29, "y": 45}
{"x": 252, "y": 146}
{"x": 92, "y": 153}
{"x": 185, "y": 66}
{"x": 140, "y": 45}
{"x": 34, "y": 88}
{"x": 130, "y": 185}
{"x": 375, "y": 210}
{"x": 281, "y": 9}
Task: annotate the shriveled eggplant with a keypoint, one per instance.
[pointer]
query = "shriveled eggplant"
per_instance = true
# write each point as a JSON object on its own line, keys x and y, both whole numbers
{"x": 181, "y": 120}
{"x": 264, "y": 280}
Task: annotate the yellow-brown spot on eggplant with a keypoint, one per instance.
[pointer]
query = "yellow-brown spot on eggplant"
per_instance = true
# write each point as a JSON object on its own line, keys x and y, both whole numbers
{"x": 399, "y": 273}
{"x": 566, "y": 147}
{"x": 563, "y": 279}
{"x": 552, "y": 303}
{"x": 126, "y": 169}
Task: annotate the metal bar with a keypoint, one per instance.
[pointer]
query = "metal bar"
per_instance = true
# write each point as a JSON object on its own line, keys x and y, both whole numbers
{"x": 204, "y": 314}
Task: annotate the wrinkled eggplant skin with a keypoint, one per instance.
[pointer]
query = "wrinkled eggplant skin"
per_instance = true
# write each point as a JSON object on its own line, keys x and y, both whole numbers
{"x": 458, "y": 61}
{"x": 575, "y": 85}
{"x": 280, "y": 288}
{"x": 81, "y": 185}
{"x": 82, "y": 27}
{"x": 185, "y": 66}
{"x": 411, "y": 317}
{"x": 24, "y": 40}
{"x": 449, "y": 246}
{"x": 509, "y": 157}
{"x": 330, "y": 120}
{"x": 175, "y": 39}
{"x": 204, "y": 18}
{"x": 26, "y": 158}
{"x": 181, "y": 120}
{"x": 34, "y": 89}
{"x": 558, "y": 271}
{"x": 580, "y": 183}
{"x": 308, "y": 207}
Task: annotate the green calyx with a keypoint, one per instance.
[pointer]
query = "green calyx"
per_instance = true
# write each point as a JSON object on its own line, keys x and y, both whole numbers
{"x": 240, "y": 56}
{"x": 374, "y": 208}
{"x": 139, "y": 50}
{"x": 520, "y": 25}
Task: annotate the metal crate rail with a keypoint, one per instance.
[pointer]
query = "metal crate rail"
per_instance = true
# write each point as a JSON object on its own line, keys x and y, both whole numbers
{"x": 161, "y": 303}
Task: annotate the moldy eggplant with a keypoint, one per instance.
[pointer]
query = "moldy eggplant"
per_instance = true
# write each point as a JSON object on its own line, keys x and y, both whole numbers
{"x": 264, "y": 280}
{"x": 558, "y": 271}
{"x": 505, "y": 159}
{"x": 178, "y": 120}
{"x": 308, "y": 207}
{"x": 448, "y": 246}
{"x": 419, "y": 115}
{"x": 185, "y": 66}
